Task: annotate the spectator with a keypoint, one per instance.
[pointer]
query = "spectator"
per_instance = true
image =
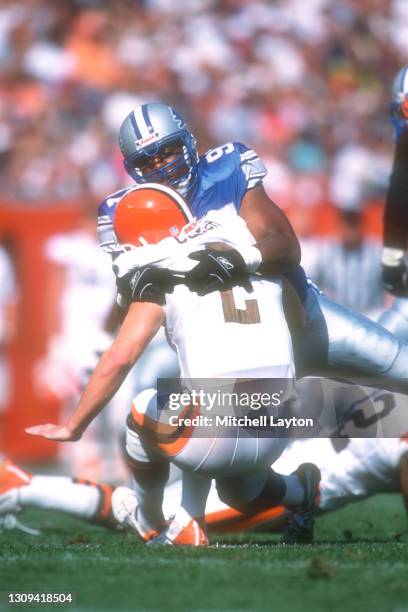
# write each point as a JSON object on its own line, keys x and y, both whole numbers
{"x": 348, "y": 267}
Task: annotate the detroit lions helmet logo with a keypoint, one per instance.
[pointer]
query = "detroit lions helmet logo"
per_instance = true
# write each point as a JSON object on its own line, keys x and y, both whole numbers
{"x": 177, "y": 118}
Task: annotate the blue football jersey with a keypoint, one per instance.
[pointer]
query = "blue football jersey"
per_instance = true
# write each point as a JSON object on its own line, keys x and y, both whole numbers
{"x": 225, "y": 174}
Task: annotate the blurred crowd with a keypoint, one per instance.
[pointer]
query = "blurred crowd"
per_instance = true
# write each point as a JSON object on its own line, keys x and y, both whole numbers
{"x": 305, "y": 83}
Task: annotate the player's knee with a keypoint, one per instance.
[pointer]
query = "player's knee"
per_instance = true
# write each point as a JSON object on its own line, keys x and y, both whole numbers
{"x": 234, "y": 492}
{"x": 231, "y": 498}
{"x": 147, "y": 467}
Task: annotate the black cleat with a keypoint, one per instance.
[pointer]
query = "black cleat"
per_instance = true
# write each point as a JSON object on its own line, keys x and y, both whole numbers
{"x": 299, "y": 520}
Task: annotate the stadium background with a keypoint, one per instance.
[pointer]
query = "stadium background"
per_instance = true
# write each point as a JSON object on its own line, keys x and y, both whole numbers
{"x": 306, "y": 84}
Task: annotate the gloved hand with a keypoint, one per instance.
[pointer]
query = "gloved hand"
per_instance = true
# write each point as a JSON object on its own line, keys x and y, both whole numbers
{"x": 216, "y": 270}
{"x": 395, "y": 272}
{"x": 147, "y": 284}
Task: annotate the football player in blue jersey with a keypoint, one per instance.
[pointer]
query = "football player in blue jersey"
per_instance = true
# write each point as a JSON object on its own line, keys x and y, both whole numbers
{"x": 158, "y": 147}
{"x": 395, "y": 271}
{"x": 166, "y": 153}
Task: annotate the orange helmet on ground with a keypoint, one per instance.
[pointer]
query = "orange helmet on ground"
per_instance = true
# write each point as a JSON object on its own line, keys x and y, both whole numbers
{"x": 148, "y": 213}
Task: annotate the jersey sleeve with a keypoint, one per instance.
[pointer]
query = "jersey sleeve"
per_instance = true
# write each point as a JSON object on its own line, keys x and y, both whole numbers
{"x": 106, "y": 232}
{"x": 252, "y": 168}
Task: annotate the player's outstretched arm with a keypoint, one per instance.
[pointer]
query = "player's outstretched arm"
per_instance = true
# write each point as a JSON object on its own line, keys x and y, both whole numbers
{"x": 141, "y": 323}
{"x": 272, "y": 231}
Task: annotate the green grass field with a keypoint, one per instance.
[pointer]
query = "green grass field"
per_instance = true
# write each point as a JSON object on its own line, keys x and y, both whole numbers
{"x": 359, "y": 562}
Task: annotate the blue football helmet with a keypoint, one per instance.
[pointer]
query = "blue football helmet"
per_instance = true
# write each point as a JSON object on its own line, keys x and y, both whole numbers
{"x": 158, "y": 147}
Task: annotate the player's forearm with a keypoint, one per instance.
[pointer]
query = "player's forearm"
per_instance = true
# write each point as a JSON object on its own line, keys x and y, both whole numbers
{"x": 138, "y": 328}
{"x": 105, "y": 381}
{"x": 279, "y": 253}
{"x": 272, "y": 231}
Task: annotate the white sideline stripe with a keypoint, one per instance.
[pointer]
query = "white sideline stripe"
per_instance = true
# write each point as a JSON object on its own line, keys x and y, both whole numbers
{"x": 248, "y": 153}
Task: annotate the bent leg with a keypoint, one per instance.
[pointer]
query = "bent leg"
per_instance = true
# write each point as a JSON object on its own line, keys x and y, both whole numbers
{"x": 338, "y": 341}
{"x": 150, "y": 474}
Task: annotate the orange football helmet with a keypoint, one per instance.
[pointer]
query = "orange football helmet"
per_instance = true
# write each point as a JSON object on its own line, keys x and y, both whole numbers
{"x": 148, "y": 213}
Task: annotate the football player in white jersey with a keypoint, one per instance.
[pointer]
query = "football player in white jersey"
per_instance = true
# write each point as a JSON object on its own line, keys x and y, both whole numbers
{"x": 352, "y": 469}
{"x": 207, "y": 332}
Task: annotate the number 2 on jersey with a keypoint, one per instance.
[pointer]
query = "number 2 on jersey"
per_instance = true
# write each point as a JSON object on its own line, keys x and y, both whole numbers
{"x": 248, "y": 316}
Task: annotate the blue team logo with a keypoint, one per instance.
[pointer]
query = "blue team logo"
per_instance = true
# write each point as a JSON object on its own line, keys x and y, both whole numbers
{"x": 178, "y": 119}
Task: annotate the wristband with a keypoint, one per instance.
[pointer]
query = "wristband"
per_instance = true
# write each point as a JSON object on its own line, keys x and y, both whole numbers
{"x": 392, "y": 257}
{"x": 252, "y": 257}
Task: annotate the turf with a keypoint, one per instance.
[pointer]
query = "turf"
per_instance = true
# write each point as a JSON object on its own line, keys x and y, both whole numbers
{"x": 359, "y": 562}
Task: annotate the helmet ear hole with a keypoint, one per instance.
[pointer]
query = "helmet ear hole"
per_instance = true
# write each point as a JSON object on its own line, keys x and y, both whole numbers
{"x": 148, "y": 213}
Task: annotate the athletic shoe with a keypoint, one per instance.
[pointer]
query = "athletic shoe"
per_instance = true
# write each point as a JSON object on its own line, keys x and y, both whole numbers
{"x": 125, "y": 511}
{"x": 299, "y": 520}
{"x": 183, "y": 530}
{"x": 12, "y": 478}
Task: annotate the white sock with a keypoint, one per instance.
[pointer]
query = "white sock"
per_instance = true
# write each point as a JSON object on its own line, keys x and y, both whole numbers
{"x": 150, "y": 505}
{"x": 61, "y": 494}
{"x": 194, "y": 494}
{"x": 295, "y": 493}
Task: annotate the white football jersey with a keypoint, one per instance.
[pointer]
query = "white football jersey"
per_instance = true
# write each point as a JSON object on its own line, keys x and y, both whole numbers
{"x": 233, "y": 333}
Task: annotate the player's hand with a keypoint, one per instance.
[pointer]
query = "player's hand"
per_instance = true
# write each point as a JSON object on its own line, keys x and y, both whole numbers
{"x": 148, "y": 284}
{"x": 216, "y": 270}
{"x": 395, "y": 279}
{"x": 58, "y": 433}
